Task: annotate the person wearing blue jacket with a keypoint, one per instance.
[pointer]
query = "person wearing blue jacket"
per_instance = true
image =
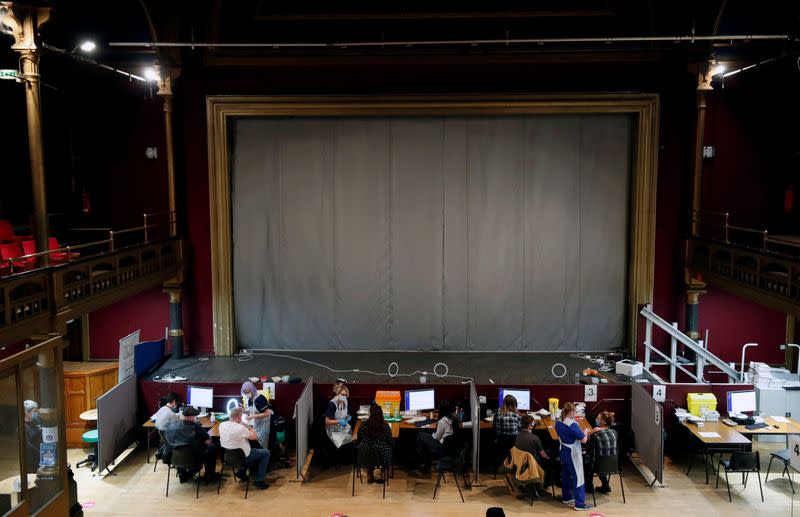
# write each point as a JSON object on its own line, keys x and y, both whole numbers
{"x": 570, "y": 438}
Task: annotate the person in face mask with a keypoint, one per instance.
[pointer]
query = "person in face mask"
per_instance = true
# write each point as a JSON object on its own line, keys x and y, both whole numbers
{"x": 258, "y": 411}
{"x": 33, "y": 436}
{"x": 337, "y": 419}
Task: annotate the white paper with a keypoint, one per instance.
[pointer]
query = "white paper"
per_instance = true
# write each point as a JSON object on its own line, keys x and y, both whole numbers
{"x": 659, "y": 392}
{"x": 709, "y": 435}
{"x": 126, "y": 363}
{"x": 49, "y": 434}
{"x": 780, "y": 419}
{"x": 590, "y": 393}
{"x": 658, "y": 415}
{"x": 269, "y": 387}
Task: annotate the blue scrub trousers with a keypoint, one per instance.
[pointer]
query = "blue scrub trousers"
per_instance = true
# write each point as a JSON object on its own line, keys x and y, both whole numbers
{"x": 569, "y": 482}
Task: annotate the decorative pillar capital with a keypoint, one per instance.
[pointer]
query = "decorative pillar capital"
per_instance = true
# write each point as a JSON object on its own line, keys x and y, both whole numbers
{"x": 175, "y": 295}
{"x": 24, "y": 22}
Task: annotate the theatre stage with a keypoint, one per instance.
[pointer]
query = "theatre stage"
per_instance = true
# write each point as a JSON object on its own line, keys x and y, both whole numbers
{"x": 484, "y": 368}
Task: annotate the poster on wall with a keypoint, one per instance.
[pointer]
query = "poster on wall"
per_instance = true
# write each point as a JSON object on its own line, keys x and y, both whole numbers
{"x": 126, "y": 359}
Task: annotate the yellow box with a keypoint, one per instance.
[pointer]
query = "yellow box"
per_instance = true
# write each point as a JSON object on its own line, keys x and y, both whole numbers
{"x": 698, "y": 401}
{"x": 389, "y": 401}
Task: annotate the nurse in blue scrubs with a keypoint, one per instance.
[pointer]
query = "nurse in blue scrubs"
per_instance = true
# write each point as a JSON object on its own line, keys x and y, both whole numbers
{"x": 570, "y": 438}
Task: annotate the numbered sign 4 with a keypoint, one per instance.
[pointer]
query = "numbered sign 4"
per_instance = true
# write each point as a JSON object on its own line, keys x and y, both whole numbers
{"x": 659, "y": 392}
{"x": 590, "y": 393}
{"x": 794, "y": 451}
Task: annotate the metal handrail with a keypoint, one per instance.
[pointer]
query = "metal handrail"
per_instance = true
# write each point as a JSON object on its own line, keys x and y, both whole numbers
{"x": 652, "y": 318}
{"x": 727, "y": 227}
{"x": 110, "y": 241}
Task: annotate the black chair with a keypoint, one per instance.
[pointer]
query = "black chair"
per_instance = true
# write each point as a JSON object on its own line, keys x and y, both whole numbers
{"x": 160, "y": 453}
{"x": 235, "y": 459}
{"x": 502, "y": 446}
{"x": 784, "y": 457}
{"x": 186, "y": 458}
{"x": 371, "y": 459}
{"x": 454, "y": 465}
{"x": 744, "y": 462}
{"x": 607, "y": 466}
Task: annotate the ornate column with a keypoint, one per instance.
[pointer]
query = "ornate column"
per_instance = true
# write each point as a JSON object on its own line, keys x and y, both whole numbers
{"x": 175, "y": 321}
{"x": 166, "y": 76}
{"x": 695, "y": 287}
{"x": 703, "y": 86}
{"x": 25, "y": 22}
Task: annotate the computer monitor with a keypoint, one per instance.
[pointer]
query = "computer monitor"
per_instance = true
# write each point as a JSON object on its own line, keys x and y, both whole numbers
{"x": 420, "y": 400}
{"x": 523, "y": 397}
{"x": 741, "y": 402}
{"x": 202, "y": 398}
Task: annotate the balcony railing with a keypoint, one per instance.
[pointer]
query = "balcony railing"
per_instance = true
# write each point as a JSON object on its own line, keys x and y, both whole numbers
{"x": 38, "y": 300}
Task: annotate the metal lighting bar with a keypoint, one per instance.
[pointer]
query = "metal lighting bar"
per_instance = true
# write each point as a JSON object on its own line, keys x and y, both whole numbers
{"x": 500, "y": 41}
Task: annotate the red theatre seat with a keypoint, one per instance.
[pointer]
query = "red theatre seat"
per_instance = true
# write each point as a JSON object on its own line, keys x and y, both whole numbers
{"x": 10, "y": 251}
{"x": 61, "y": 256}
{"x": 7, "y": 233}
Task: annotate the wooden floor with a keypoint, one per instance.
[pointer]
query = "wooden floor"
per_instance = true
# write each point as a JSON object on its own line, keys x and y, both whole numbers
{"x": 136, "y": 490}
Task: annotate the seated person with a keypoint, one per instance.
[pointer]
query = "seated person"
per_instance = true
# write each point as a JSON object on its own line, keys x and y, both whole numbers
{"x": 188, "y": 433}
{"x": 234, "y": 434}
{"x": 374, "y": 433}
{"x": 602, "y": 443}
{"x": 506, "y": 426}
{"x": 529, "y": 442}
{"x": 432, "y": 445}
{"x": 168, "y": 413}
{"x": 33, "y": 436}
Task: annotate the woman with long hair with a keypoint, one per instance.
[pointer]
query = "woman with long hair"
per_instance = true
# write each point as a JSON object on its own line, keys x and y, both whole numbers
{"x": 507, "y": 420}
{"x": 571, "y": 437}
{"x": 376, "y": 434}
{"x": 337, "y": 418}
{"x": 432, "y": 445}
{"x": 602, "y": 443}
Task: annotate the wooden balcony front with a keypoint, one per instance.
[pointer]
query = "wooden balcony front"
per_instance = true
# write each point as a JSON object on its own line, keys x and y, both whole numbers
{"x": 42, "y": 300}
{"x": 766, "y": 277}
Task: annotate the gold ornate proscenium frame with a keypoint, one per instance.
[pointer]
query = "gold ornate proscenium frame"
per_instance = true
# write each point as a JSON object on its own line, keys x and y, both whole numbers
{"x": 220, "y": 109}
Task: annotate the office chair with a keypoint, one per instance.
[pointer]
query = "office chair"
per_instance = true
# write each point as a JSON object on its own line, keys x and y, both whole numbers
{"x": 784, "y": 457}
{"x": 454, "y": 465}
{"x": 185, "y": 458}
{"x": 744, "y": 462}
{"x": 369, "y": 458}
{"x": 235, "y": 459}
{"x": 608, "y": 466}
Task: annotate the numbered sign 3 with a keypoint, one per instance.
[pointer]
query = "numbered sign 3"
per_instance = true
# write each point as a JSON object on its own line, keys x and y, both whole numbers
{"x": 659, "y": 392}
{"x": 590, "y": 393}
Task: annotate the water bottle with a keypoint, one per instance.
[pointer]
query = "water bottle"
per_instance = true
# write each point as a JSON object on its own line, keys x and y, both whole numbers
{"x": 213, "y": 418}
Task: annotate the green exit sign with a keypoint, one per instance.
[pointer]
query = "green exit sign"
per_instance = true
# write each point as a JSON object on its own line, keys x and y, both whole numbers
{"x": 9, "y": 74}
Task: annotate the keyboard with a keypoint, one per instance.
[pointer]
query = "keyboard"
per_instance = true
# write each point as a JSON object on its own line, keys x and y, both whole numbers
{"x": 728, "y": 422}
{"x": 423, "y": 423}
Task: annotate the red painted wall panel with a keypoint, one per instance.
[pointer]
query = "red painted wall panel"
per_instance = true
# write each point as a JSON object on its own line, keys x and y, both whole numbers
{"x": 148, "y": 311}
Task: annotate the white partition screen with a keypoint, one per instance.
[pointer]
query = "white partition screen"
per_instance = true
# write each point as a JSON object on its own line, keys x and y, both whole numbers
{"x": 304, "y": 417}
{"x": 434, "y": 233}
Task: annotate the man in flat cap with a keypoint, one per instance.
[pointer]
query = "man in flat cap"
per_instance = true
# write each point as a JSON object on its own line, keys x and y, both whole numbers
{"x": 187, "y": 432}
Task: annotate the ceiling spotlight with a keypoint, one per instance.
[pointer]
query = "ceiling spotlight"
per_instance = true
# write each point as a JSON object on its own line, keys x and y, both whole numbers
{"x": 88, "y": 46}
{"x": 150, "y": 74}
{"x": 718, "y": 69}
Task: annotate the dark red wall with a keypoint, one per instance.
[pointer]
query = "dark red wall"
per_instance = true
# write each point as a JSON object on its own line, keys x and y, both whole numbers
{"x": 148, "y": 311}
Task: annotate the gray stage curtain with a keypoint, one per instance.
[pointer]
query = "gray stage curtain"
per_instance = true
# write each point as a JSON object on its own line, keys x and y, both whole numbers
{"x": 441, "y": 233}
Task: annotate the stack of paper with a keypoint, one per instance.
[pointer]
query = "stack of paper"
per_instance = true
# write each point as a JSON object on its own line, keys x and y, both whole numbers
{"x": 761, "y": 375}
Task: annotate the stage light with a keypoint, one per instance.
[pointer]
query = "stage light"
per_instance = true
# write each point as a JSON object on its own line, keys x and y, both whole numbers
{"x": 87, "y": 46}
{"x": 151, "y": 74}
{"x": 718, "y": 69}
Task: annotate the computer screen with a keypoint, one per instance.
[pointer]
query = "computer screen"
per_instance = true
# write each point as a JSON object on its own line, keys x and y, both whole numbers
{"x": 741, "y": 401}
{"x": 420, "y": 400}
{"x": 523, "y": 398}
{"x": 201, "y": 397}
